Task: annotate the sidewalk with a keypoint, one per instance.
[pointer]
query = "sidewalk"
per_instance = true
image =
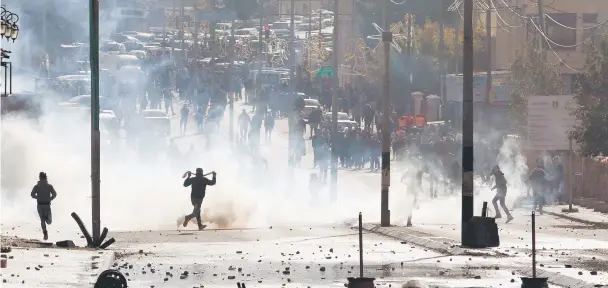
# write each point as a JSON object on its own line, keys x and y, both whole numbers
{"x": 568, "y": 259}
{"x": 53, "y": 267}
{"x": 584, "y": 215}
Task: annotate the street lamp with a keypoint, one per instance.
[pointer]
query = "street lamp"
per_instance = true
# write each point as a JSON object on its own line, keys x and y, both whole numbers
{"x": 8, "y": 25}
{"x": 14, "y": 32}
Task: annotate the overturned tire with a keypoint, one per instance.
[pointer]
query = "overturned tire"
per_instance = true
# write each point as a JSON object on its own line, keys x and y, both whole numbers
{"x": 111, "y": 279}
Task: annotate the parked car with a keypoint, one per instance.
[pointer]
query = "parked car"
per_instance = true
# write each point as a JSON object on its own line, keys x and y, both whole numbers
{"x": 157, "y": 121}
{"x": 309, "y": 105}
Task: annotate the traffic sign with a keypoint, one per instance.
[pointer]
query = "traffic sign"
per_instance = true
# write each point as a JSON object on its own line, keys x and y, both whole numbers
{"x": 326, "y": 71}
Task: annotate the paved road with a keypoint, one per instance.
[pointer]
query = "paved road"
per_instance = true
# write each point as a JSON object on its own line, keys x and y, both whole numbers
{"x": 318, "y": 256}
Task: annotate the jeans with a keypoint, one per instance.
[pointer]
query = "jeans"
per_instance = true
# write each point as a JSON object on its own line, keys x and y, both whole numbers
{"x": 500, "y": 197}
{"x": 196, "y": 212}
{"x": 46, "y": 217}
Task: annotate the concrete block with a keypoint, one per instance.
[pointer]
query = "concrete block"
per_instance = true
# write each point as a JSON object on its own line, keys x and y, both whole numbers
{"x": 601, "y": 207}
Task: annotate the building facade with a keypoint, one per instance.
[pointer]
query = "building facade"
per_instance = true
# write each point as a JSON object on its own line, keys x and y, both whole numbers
{"x": 568, "y": 26}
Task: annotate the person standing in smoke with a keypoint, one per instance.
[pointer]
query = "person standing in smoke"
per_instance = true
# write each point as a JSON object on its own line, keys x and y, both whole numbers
{"x": 199, "y": 185}
{"x": 168, "y": 97}
{"x": 538, "y": 181}
{"x": 44, "y": 193}
{"x": 268, "y": 126}
{"x": 183, "y": 122}
{"x": 501, "y": 193}
{"x": 244, "y": 122}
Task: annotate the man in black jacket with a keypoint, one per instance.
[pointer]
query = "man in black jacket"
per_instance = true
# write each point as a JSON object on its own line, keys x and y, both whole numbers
{"x": 199, "y": 185}
{"x": 44, "y": 193}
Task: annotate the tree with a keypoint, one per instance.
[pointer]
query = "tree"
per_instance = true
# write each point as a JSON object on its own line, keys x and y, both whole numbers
{"x": 531, "y": 74}
{"x": 426, "y": 42}
{"x": 591, "y": 96}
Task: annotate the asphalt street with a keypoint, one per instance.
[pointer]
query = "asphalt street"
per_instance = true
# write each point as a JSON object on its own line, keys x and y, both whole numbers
{"x": 292, "y": 257}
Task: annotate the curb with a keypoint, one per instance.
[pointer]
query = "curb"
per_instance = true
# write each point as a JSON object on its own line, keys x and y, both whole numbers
{"x": 415, "y": 237}
{"x": 560, "y": 280}
{"x": 107, "y": 260}
{"x": 577, "y": 219}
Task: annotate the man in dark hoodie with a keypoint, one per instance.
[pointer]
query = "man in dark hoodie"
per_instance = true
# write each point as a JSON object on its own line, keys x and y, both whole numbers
{"x": 44, "y": 193}
{"x": 199, "y": 184}
{"x": 501, "y": 193}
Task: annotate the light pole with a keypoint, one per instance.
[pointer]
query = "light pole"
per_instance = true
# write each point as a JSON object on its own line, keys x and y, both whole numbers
{"x": 387, "y": 39}
{"x": 95, "y": 136}
{"x": 334, "y": 105}
{"x": 9, "y": 30}
{"x": 467, "y": 115}
{"x": 231, "y": 93}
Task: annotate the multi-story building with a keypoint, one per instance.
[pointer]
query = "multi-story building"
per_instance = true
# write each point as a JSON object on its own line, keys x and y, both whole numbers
{"x": 568, "y": 25}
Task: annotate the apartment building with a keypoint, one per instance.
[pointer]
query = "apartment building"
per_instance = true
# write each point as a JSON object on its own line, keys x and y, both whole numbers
{"x": 567, "y": 24}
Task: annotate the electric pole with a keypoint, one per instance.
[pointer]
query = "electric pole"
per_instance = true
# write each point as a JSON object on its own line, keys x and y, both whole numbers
{"x": 489, "y": 54}
{"x": 334, "y": 104}
{"x": 231, "y": 76}
{"x": 292, "y": 52}
{"x": 174, "y": 17}
{"x": 258, "y": 86}
{"x": 442, "y": 64}
{"x": 541, "y": 25}
{"x": 95, "y": 136}
{"x": 181, "y": 30}
{"x": 409, "y": 58}
{"x": 467, "y": 121}
{"x": 387, "y": 38}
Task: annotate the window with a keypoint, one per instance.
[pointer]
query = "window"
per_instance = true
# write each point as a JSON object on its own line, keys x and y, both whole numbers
{"x": 591, "y": 31}
{"x": 559, "y": 34}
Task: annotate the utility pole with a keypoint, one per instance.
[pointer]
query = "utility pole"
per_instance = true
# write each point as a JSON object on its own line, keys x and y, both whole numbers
{"x": 489, "y": 53}
{"x": 334, "y": 104}
{"x": 409, "y": 58}
{"x": 164, "y": 27}
{"x": 387, "y": 38}
{"x": 541, "y": 25}
{"x": 181, "y": 28}
{"x": 308, "y": 50}
{"x": 292, "y": 52}
{"x": 467, "y": 121}
{"x": 174, "y": 17}
{"x": 195, "y": 36}
{"x": 258, "y": 87}
{"x": 231, "y": 76}
{"x": 442, "y": 64}
{"x": 95, "y": 136}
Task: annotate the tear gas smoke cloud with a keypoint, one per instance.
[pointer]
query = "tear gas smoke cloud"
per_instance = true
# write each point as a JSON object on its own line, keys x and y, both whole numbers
{"x": 144, "y": 191}
{"x": 140, "y": 193}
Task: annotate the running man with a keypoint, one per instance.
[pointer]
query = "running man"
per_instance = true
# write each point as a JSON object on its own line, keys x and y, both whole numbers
{"x": 501, "y": 193}
{"x": 44, "y": 193}
{"x": 199, "y": 185}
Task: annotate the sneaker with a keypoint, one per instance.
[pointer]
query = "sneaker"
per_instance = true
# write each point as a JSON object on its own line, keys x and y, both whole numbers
{"x": 46, "y": 235}
{"x": 186, "y": 220}
{"x": 509, "y": 219}
{"x": 201, "y": 227}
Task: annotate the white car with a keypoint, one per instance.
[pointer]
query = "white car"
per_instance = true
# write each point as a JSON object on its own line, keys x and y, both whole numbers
{"x": 309, "y": 105}
{"x": 158, "y": 121}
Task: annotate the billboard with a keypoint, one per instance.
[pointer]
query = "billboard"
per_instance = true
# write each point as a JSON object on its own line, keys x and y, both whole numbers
{"x": 549, "y": 121}
{"x": 500, "y": 92}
